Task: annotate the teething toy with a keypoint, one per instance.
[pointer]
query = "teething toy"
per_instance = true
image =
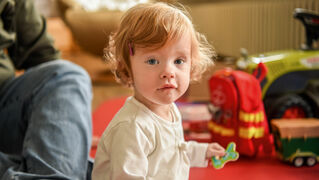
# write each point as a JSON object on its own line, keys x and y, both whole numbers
{"x": 231, "y": 155}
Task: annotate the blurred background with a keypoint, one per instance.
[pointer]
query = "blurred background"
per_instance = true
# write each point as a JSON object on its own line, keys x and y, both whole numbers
{"x": 81, "y": 28}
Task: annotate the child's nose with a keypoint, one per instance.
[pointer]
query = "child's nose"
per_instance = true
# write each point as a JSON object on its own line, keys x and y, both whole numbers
{"x": 167, "y": 73}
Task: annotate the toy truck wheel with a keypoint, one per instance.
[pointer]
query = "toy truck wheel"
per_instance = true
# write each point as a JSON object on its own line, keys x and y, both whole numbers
{"x": 311, "y": 161}
{"x": 290, "y": 106}
{"x": 298, "y": 161}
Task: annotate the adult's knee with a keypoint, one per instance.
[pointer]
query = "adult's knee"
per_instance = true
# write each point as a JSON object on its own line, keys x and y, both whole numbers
{"x": 66, "y": 73}
{"x": 67, "y": 88}
{"x": 61, "y": 78}
{"x": 62, "y": 68}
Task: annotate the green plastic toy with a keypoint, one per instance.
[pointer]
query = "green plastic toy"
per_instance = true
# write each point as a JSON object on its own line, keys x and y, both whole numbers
{"x": 231, "y": 155}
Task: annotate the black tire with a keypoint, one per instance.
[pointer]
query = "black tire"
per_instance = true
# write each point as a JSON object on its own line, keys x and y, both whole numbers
{"x": 311, "y": 161}
{"x": 276, "y": 107}
{"x": 298, "y": 161}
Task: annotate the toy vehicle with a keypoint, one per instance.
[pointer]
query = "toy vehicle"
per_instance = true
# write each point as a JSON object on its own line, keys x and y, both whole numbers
{"x": 297, "y": 140}
{"x": 289, "y": 79}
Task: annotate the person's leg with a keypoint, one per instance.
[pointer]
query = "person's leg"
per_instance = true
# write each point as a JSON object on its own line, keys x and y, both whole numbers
{"x": 46, "y": 120}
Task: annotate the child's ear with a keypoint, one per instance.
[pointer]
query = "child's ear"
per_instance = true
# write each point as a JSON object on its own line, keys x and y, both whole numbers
{"x": 130, "y": 81}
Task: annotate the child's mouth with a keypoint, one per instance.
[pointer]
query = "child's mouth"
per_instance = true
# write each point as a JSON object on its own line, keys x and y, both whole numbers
{"x": 167, "y": 87}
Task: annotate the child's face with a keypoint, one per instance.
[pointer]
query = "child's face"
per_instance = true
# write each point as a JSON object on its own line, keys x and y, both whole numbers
{"x": 161, "y": 76}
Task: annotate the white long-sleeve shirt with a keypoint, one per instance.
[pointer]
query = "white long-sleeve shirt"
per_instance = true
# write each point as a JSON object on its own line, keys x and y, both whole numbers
{"x": 138, "y": 144}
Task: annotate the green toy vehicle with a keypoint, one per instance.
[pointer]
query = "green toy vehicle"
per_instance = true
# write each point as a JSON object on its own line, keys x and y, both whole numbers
{"x": 289, "y": 79}
{"x": 297, "y": 141}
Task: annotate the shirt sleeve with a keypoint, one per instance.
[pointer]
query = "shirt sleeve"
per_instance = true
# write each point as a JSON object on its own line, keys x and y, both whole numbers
{"x": 197, "y": 154}
{"x": 127, "y": 149}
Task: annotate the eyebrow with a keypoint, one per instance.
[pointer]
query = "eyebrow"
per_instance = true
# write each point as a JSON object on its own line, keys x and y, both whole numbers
{"x": 183, "y": 53}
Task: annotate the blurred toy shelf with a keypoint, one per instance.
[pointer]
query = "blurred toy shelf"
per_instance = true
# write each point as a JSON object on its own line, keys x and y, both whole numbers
{"x": 195, "y": 121}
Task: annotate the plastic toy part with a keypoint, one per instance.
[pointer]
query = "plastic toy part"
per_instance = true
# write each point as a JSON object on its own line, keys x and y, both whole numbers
{"x": 231, "y": 155}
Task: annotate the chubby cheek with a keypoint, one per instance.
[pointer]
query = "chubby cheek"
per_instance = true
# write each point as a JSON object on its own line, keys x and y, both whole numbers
{"x": 143, "y": 82}
{"x": 183, "y": 82}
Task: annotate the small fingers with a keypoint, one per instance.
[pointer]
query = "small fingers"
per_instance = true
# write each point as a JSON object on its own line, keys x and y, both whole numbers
{"x": 218, "y": 147}
{"x": 219, "y": 153}
{"x": 214, "y": 149}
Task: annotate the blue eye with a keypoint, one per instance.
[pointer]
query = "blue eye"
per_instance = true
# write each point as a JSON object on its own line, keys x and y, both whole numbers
{"x": 179, "y": 61}
{"x": 152, "y": 61}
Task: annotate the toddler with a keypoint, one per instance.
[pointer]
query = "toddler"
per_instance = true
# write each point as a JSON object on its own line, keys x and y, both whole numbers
{"x": 157, "y": 52}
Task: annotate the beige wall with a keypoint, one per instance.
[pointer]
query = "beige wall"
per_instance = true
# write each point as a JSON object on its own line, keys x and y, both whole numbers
{"x": 257, "y": 25}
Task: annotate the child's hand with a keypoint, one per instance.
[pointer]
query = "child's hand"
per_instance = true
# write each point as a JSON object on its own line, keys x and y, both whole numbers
{"x": 214, "y": 149}
{"x": 230, "y": 155}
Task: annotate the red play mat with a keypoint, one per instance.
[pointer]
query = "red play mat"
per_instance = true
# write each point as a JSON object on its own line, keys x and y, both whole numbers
{"x": 259, "y": 168}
